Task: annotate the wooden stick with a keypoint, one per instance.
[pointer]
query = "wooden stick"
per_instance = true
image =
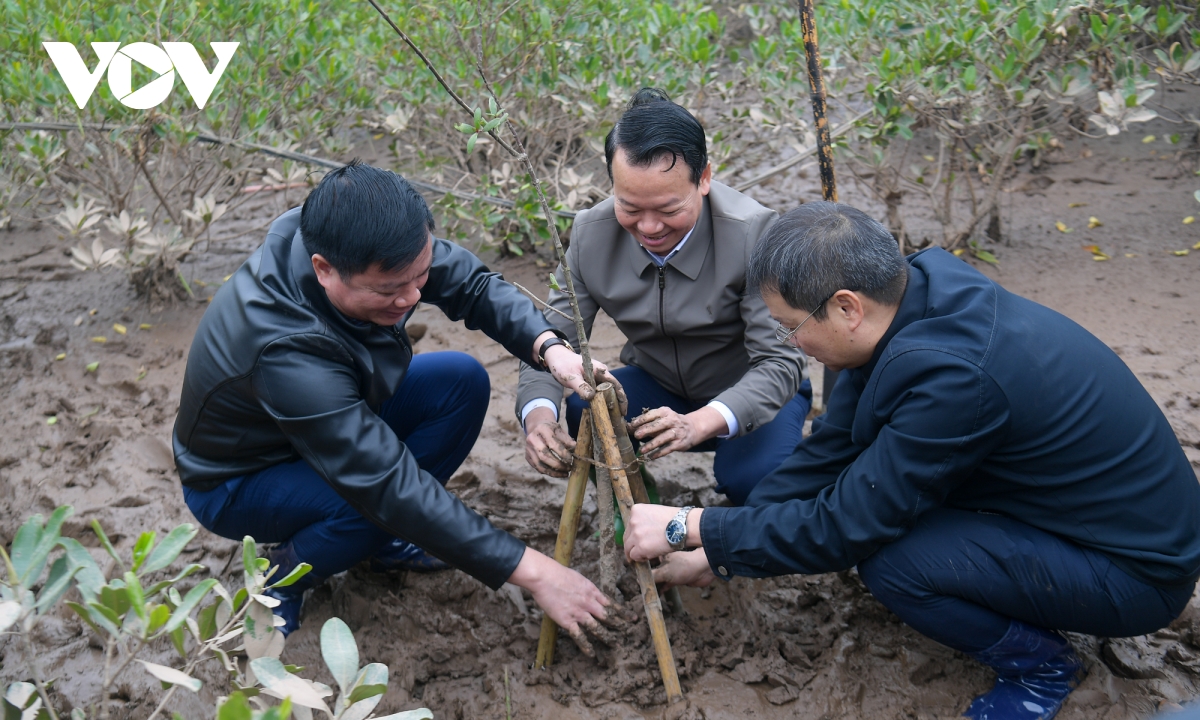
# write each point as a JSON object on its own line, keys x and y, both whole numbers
{"x": 634, "y": 470}
{"x": 654, "y": 615}
{"x": 568, "y": 527}
{"x": 610, "y": 561}
{"x": 816, "y": 83}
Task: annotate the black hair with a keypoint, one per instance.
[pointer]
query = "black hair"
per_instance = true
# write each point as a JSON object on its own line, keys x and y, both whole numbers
{"x": 654, "y": 127}
{"x": 822, "y": 247}
{"x": 359, "y": 216}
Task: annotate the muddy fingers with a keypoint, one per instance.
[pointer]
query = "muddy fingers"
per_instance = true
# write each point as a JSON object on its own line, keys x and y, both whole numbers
{"x": 580, "y": 637}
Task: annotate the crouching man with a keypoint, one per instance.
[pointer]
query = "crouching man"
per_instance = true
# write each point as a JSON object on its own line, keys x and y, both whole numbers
{"x": 996, "y": 472}
{"x": 307, "y": 421}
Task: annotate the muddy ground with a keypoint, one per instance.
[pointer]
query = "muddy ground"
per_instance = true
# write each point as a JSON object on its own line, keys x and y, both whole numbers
{"x": 793, "y": 647}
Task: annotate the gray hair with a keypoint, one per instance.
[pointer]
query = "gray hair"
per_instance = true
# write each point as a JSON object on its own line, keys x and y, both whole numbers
{"x": 822, "y": 247}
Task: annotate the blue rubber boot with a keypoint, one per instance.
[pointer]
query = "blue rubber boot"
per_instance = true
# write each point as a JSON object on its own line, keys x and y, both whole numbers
{"x": 291, "y": 598}
{"x": 403, "y": 555}
{"x": 1035, "y": 671}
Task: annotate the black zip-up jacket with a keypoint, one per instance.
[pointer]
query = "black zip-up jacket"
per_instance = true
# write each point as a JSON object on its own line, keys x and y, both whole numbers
{"x": 276, "y": 374}
{"x": 977, "y": 399}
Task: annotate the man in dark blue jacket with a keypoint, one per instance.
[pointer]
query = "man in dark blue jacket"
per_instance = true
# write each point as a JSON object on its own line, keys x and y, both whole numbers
{"x": 996, "y": 472}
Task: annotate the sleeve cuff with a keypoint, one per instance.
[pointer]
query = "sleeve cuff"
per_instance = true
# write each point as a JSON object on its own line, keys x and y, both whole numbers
{"x": 537, "y": 403}
{"x": 731, "y": 420}
{"x": 712, "y": 539}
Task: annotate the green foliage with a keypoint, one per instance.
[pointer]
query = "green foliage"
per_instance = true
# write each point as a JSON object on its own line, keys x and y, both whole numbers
{"x": 132, "y": 609}
{"x": 992, "y": 83}
{"x": 310, "y": 77}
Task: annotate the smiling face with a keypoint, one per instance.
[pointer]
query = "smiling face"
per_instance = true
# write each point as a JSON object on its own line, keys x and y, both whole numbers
{"x": 659, "y": 207}
{"x": 378, "y": 296}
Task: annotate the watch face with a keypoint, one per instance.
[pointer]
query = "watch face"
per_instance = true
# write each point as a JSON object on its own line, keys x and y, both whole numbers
{"x": 675, "y": 532}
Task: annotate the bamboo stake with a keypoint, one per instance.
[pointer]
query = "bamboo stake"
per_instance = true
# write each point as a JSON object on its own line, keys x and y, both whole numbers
{"x": 609, "y": 559}
{"x": 654, "y": 615}
{"x": 634, "y": 470}
{"x": 816, "y": 83}
{"x": 568, "y": 528}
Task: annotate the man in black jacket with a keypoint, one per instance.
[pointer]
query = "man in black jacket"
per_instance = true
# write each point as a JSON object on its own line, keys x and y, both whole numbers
{"x": 996, "y": 472}
{"x": 306, "y": 420}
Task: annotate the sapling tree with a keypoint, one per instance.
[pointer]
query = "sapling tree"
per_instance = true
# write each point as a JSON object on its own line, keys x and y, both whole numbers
{"x": 132, "y": 605}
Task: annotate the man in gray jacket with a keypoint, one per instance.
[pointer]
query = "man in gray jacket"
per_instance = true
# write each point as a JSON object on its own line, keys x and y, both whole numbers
{"x": 666, "y": 257}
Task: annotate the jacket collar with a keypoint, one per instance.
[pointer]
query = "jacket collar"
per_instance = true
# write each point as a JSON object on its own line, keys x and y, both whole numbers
{"x": 912, "y": 309}
{"x": 690, "y": 259}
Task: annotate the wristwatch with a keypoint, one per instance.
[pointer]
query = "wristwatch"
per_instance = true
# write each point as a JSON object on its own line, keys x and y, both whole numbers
{"x": 677, "y": 529}
{"x": 551, "y": 342}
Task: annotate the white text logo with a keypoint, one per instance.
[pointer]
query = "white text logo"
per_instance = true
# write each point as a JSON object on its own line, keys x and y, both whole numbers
{"x": 118, "y": 60}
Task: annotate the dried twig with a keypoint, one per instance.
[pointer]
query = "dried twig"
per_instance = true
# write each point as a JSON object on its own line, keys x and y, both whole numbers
{"x": 538, "y": 300}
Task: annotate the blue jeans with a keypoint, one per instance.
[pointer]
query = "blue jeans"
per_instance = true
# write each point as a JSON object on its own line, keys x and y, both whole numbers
{"x": 437, "y": 412}
{"x": 741, "y": 461}
{"x": 960, "y": 577}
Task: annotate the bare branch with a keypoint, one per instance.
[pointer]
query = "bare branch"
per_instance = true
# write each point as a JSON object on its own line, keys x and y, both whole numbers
{"x": 438, "y": 76}
{"x": 539, "y": 301}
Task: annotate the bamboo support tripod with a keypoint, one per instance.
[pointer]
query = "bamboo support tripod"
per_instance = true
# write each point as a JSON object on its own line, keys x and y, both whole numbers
{"x": 604, "y": 438}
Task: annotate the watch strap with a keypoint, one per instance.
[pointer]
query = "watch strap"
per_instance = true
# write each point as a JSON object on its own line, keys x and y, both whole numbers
{"x": 549, "y": 343}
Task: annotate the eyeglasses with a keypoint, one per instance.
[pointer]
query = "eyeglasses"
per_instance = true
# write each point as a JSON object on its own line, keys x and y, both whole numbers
{"x": 783, "y": 334}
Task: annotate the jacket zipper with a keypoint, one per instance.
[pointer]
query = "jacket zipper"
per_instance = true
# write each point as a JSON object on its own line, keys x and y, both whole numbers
{"x": 662, "y": 326}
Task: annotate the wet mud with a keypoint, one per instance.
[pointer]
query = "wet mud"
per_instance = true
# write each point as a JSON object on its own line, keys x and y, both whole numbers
{"x": 792, "y": 647}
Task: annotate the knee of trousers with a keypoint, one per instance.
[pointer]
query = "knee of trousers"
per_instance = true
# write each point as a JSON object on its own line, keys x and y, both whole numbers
{"x": 470, "y": 374}
{"x": 889, "y": 576}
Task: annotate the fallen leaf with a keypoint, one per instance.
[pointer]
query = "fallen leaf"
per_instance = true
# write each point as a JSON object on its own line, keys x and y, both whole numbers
{"x": 93, "y": 311}
{"x": 987, "y": 257}
{"x": 226, "y": 279}
{"x": 1196, "y": 246}
{"x": 91, "y": 367}
{"x": 1189, "y": 220}
{"x": 145, "y": 326}
{"x": 121, "y": 329}
{"x": 1094, "y": 222}
{"x": 60, "y": 356}
{"x": 1097, "y": 253}
{"x": 1148, "y": 139}
{"x": 78, "y": 321}
{"x": 141, "y": 373}
{"x": 1076, "y": 204}
{"x": 929, "y": 158}
{"x": 1062, "y": 227}
{"x": 1100, "y": 258}
{"x": 1131, "y": 255}
{"x": 100, "y": 339}
{"x": 1196, "y": 195}
{"x": 1179, "y": 253}
{"x": 52, "y": 420}
{"x": 959, "y": 252}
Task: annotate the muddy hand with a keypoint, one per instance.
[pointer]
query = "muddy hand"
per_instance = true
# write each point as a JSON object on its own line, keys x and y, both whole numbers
{"x": 567, "y": 369}
{"x": 607, "y": 630}
{"x": 684, "y": 568}
{"x": 604, "y": 376}
{"x": 663, "y": 431}
{"x": 568, "y": 598}
{"x": 548, "y": 448}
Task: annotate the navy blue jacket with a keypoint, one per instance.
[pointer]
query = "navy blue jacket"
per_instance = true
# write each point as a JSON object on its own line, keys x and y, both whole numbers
{"x": 976, "y": 399}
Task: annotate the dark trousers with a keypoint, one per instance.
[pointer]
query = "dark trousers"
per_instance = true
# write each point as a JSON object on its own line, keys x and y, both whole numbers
{"x": 741, "y": 461}
{"x": 437, "y": 412}
{"x": 960, "y": 577}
